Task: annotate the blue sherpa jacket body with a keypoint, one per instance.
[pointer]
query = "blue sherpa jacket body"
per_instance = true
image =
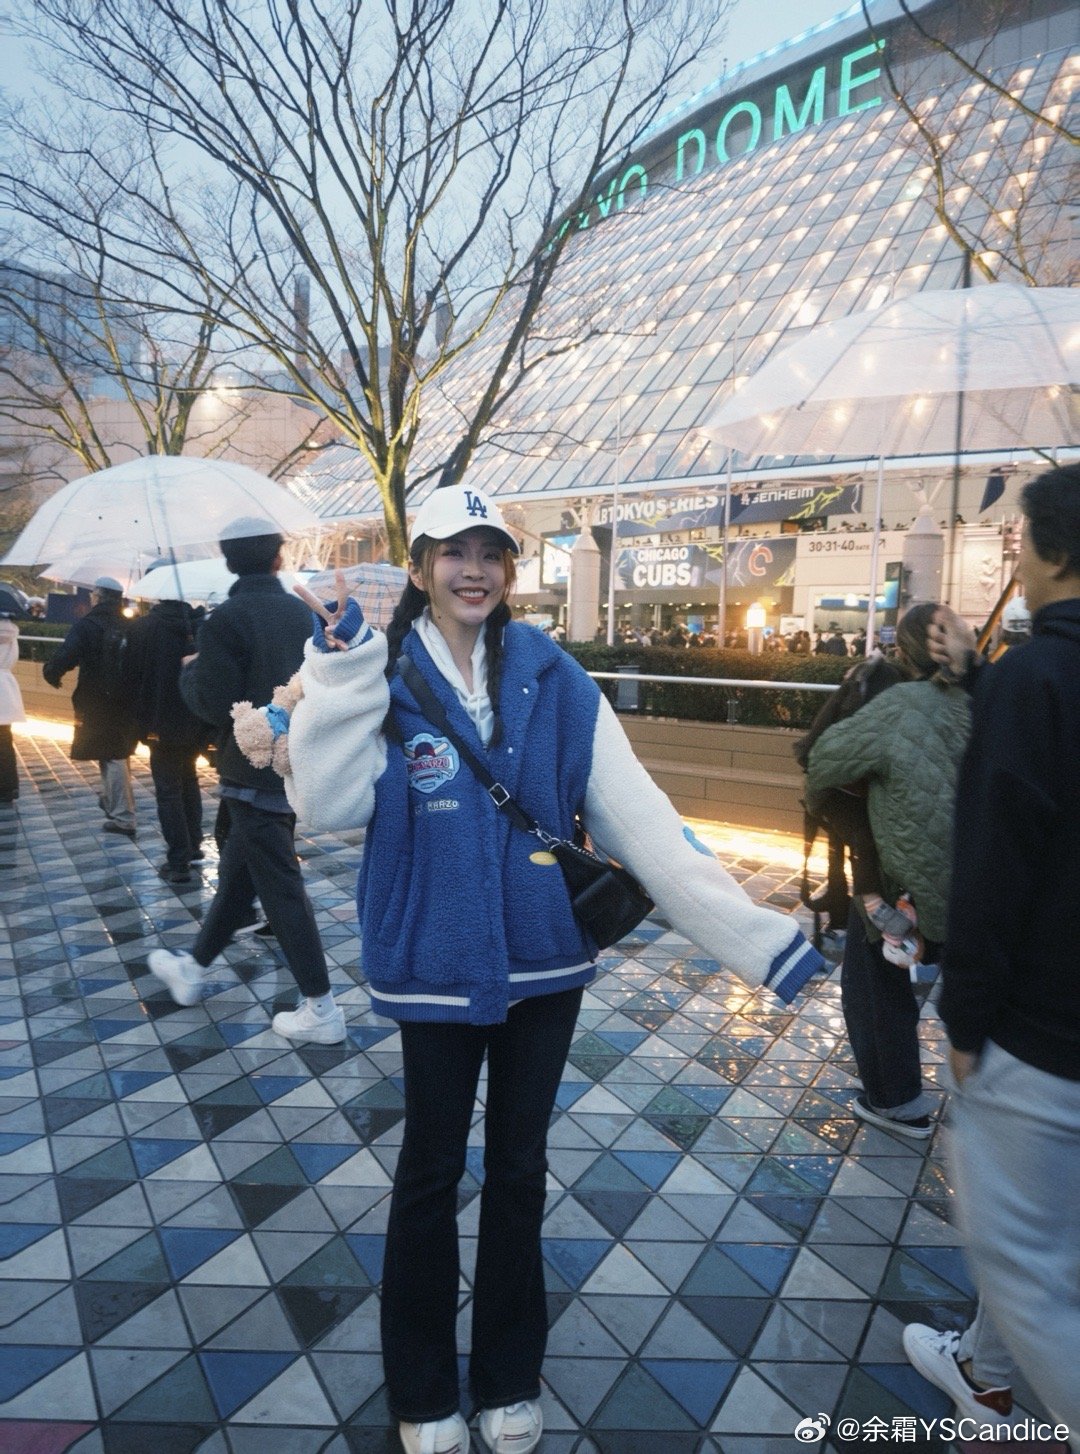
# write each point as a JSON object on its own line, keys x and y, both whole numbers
{"x": 463, "y": 914}
{"x": 452, "y": 897}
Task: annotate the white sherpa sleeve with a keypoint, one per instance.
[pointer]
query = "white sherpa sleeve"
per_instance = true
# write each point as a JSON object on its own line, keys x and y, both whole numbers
{"x": 631, "y": 820}
{"x": 337, "y": 751}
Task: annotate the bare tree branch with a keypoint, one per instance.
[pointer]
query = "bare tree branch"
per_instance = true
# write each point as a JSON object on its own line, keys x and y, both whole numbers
{"x": 412, "y": 159}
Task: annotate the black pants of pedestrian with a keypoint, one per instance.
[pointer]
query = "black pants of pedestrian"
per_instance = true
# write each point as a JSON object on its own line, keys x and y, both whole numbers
{"x": 179, "y": 801}
{"x": 526, "y": 1056}
{"x": 9, "y": 773}
{"x": 882, "y": 1016}
{"x": 259, "y": 857}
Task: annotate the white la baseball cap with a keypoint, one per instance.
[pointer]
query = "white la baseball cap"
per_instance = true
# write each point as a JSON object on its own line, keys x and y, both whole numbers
{"x": 456, "y": 508}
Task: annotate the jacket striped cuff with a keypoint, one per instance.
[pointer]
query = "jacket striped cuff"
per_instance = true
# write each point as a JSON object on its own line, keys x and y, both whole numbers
{"x": 792, "y": 967}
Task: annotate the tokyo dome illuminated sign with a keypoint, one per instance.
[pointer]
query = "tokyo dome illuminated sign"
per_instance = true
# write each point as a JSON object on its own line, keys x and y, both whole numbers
{"x": 842, "y": 84}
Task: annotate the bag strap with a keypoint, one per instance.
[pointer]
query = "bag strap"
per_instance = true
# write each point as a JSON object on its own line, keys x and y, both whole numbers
{"x": 810, "y": 830}
{"x": 435, "y": 712}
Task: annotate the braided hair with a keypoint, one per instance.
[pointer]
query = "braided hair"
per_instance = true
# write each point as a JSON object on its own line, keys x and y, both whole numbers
{"x": 411, "y": 605}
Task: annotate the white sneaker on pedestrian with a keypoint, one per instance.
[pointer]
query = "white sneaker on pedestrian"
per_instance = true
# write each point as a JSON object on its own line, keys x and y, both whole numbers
{"x": 305, "y": 1025}
{"x": 933, "y": 1354}
{"x": 514, "y": 1429}
{"x": 437, "y": 1436}
{"x": 181, "y": 975}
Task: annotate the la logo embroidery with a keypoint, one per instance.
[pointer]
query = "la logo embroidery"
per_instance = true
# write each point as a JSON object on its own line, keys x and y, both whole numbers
{"x": 430, "y": 762}
{"x": 475, "y": 505}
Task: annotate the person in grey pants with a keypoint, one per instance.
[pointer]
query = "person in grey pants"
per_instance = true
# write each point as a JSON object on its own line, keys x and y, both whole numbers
{"x": 105, "y": 730}
{"x": 1011, "y": 986}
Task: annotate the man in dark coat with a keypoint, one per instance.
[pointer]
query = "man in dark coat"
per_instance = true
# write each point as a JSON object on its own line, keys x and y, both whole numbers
{"x": 105, "y": 730}
{"x": 834, "y": 644}
{"x": 249, "y": 645}
{"x": 156, "y": 646}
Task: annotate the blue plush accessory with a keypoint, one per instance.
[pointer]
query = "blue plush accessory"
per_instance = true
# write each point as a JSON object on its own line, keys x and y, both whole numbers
{"x": 277, "y": 719}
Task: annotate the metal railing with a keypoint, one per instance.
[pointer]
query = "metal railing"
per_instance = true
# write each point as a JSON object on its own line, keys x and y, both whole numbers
{"x": 627, "y": 700}
{"x": 625, "y": 676}
{"x": 620, "y": 676}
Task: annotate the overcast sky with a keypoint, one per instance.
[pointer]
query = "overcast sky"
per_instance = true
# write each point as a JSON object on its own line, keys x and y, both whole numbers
{"x": 756, "y": 25}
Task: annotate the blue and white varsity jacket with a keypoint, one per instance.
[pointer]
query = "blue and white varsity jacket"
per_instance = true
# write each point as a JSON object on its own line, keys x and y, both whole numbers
{"x": 461, "y": 913}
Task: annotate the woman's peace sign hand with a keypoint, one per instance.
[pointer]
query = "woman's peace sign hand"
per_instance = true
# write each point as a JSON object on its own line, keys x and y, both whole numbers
{"x": 336, "y": 622}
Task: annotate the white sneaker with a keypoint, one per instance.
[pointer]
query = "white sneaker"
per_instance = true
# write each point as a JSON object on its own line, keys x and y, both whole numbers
{"x": 437, "y": 1436}
{"x": 304, "y": 1024}
{"x": 514, "y": 1429}
{"x": 179, "y": 973}
{"x": 933, "y": 1354}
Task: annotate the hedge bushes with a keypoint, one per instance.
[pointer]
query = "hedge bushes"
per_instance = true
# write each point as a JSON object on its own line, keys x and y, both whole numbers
{"x": 39, "y": 650}
{"x": 754, "y": 706}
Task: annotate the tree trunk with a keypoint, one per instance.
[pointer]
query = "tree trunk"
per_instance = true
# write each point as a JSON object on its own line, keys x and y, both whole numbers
{"x": 392, "y": 491}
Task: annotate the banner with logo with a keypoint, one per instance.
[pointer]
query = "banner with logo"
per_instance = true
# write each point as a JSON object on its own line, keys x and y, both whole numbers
{"x": 794, "y": 502}
{"x": 664, "y": 514}
{"x": 752, "y": 564}
{"x": 663, "y": 567}
{"x": 763, "y": 562}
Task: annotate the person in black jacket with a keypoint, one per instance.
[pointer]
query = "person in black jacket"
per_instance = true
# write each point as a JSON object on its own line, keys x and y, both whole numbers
{"x": 156, "y": 646}
{"x": 105, "y": 730}
{"x": 1011, "y": 989}
{"x": 248, "y": 646}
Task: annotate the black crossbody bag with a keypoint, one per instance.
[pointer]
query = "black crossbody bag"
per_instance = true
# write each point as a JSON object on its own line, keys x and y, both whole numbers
{"x": 607, "y": 901}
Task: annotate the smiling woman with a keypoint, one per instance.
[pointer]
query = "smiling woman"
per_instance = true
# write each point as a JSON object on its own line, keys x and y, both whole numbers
{"x": 470, "y": 939}
{"x": 465, "y": 579}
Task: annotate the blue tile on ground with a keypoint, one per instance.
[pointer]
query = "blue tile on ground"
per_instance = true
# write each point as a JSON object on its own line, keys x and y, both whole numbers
{"x": 234, "y": 1378}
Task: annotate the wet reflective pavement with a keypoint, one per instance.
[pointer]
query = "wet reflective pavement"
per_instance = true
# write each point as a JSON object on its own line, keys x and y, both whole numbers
{"x": 192, "y": 1211}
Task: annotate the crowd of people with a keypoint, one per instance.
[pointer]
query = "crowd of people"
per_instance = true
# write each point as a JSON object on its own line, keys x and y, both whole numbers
{"x": 952, "y": 786}
{"x": 831, "y": 642}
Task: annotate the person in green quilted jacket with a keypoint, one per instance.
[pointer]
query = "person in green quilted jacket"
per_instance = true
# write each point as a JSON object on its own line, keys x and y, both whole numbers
{"x": 906, "y": 746}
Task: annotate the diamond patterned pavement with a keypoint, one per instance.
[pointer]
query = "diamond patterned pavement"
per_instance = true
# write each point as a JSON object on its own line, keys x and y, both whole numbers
{"x": 192, "y": 1212}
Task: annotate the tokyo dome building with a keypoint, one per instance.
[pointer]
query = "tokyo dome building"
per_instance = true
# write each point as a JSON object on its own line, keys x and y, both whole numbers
{"x": 795, "y": 190}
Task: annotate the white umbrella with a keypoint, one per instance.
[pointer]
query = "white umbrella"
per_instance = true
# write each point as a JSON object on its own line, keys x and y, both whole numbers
{"x": 378, "y": 589}
{"x": 886, "y": 382}
{"x": 154, "y": 505}
{"x": 197, "y": 580}
{"x": 991, "y": 367}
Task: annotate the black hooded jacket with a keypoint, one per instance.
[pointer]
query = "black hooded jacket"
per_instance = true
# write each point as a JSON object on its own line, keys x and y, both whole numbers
{"x": 156, "y": 646}
{"x": 250, "y": 644}
{"x": 1012, "y": 965}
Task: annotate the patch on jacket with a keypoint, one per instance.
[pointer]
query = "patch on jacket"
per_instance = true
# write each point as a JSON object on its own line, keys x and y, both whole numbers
{"x": 430, "y": 762}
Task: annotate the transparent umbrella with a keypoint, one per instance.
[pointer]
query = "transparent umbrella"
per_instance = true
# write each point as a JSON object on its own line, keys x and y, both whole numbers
{"x": 207, "y": 580}
{"x": 153, "y": 506}
{"x": 887, "y": 382}
{"x": 938, "y": 372}
{"x": 80, "y": 570}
